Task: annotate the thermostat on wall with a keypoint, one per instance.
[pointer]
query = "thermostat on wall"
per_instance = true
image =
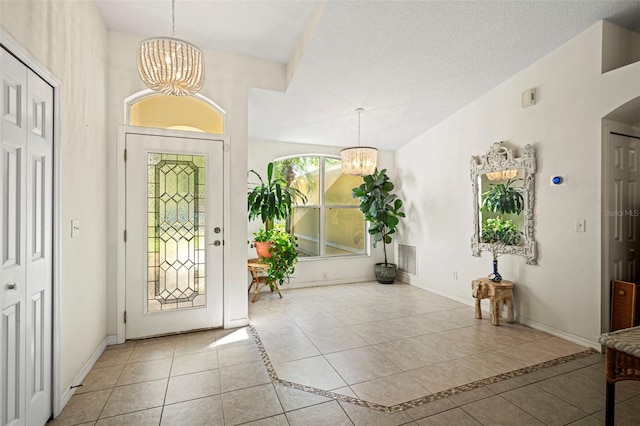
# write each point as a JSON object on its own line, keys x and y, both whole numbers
{"x": 557, "y": 180}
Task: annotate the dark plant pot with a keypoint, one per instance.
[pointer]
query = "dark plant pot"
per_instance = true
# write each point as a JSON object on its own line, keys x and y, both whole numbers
{"x": 386, "y": 274}
{"x": 262, "y": 248}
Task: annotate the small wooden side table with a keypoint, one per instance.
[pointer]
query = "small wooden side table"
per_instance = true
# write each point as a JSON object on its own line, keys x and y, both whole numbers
{"x": 622, "y": 362}
{"x": 497, "y": 293}
{"x": 257, "y": 268}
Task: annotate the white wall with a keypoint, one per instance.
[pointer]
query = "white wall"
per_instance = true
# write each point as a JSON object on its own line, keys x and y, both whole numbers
{"x": 620, "y": 47}
{"x": 311, "y": 271}
{"x": 69, "y": 39}
{"x": 227, "y": 81}
{"x": 562, "y": 293}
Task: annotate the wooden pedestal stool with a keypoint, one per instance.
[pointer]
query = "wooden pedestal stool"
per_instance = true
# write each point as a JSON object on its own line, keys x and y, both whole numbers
{"x": 258, "y": 268}
{"x": 498, "y": 294}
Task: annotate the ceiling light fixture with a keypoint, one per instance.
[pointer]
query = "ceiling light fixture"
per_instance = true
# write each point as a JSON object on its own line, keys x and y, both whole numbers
{"x": 503, "y": 175}
{"x": 359, "y": 160}
{"x": 170, "y": 65}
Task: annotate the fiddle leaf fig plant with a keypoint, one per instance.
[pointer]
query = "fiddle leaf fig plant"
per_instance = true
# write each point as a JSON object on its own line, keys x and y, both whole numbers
{"x": 381, "y": 208}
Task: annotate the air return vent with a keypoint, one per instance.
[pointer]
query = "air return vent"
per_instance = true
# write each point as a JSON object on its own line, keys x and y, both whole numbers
{"x": 407, "y": 258}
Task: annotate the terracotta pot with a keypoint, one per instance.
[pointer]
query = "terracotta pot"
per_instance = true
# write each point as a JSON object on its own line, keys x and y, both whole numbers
{"x": 262, "y": 248}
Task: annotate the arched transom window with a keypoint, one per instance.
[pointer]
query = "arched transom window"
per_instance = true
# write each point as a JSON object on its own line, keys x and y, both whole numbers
{"x": 191, "y": 113}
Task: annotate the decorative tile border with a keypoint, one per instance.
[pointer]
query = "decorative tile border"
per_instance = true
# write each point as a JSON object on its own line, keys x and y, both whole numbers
{"x": 414, "y": 402}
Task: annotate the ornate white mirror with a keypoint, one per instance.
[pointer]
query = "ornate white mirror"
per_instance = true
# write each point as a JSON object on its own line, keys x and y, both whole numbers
{"x": 503, "y": 201}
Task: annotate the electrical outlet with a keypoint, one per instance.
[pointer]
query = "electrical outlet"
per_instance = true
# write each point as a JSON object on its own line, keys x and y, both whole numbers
{"x": 324, "y": 275}
{"x": 455, "y": 275}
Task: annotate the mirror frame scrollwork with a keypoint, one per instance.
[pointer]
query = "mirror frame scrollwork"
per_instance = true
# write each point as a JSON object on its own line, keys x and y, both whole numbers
{"x": 499, "y": 158}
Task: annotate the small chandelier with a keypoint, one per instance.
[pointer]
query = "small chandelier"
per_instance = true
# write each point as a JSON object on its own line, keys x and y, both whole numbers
{"x": 503, "y": 175}
{"x": 170, "y": 65}
{"x": 359, "y": 160}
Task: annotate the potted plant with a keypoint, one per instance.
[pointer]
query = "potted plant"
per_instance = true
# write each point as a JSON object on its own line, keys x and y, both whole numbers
{"x": 502, "y": 198}
{"x": 282, "y": 259}
{"x": 271, "y": 200}
{"x": 381, "y": 209}
{"x": 262, "y": 242}
{"x": 498, "y": 233}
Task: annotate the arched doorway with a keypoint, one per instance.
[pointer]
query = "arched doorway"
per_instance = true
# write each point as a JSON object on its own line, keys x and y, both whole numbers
{"x": 620, "y": 201}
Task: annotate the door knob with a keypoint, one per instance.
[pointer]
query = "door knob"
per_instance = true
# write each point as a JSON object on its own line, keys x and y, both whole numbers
{"x": 12, "y": 286}
{"x": 216, "y": 243}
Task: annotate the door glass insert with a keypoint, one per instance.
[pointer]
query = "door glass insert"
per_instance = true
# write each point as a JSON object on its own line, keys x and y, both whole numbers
{"x": 175, "y": 232}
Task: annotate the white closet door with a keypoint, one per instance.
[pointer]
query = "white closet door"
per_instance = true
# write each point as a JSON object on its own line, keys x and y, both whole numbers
{"x": 25, "y": 244}
{"x": 39, "y": 244}
{"x": 622, "y": 213}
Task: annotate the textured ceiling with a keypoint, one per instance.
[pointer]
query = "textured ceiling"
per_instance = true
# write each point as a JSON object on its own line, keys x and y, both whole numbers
{"x": 261, "y": 29}
{"x": 409, "y": 64}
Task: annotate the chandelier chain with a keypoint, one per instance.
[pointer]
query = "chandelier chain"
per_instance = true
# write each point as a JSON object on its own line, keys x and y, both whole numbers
{"x": 173, "y": 18}
{"x": 359, "y": 112}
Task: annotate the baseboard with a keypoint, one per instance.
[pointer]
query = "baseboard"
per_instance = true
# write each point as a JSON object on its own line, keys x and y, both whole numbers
{"x": 321, "y": 283}
{"x": 559, "y": 333}
{"x": 66, "y": 395}
{"x": 524, "y": 321}
{"x": 411, "y": 280}
{"x": 112, "y": 340}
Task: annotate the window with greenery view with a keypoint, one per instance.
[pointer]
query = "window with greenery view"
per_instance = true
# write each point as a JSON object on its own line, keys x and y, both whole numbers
{"x": 330, "y": 224}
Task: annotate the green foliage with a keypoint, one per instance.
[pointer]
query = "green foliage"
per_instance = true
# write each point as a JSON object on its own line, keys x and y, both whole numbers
{"x": 503, "y": 198}
{"x": 272, "y": 200}
{"x": 262, "y": 235}
{"x": 381, "y": 208}
{"x": 499, "y": 232}
{"x": 295, "y": 173}
{"x": 297, "y": 168}
{"x": 284, "y": 257}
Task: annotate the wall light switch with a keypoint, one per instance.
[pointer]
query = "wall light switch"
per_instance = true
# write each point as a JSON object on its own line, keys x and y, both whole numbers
{"x": 581, "y": 225}
{"x": 75, "y": 227}
{"x": 529, "y": 98}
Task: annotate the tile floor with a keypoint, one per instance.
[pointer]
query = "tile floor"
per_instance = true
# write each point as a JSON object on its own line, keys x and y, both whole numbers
{"x": 366, "y": 343}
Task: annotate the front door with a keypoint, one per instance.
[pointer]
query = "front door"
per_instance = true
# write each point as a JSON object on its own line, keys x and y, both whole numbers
{"x": 174, "y": 213}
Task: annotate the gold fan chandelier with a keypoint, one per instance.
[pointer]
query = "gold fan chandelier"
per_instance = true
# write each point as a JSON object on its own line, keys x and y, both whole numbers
{"x": 359, "y": 160}
{"x": 503, "y": 175}
{"x": 170, "y": 65}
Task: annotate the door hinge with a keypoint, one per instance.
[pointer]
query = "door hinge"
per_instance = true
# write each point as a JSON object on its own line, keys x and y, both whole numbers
{"x": 124, "y": 235}
{"x": 125, "y": 317}
{"x": 125, "y": 155}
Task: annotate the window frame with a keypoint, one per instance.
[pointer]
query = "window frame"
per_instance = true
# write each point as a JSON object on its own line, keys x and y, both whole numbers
{"x": 322, "y": 213}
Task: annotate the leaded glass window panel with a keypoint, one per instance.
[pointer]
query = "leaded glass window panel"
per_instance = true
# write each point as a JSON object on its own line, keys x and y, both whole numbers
{"x": 175, "y": 232}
